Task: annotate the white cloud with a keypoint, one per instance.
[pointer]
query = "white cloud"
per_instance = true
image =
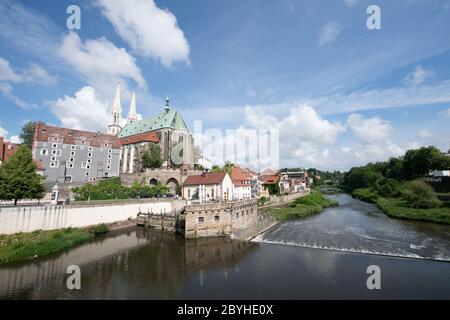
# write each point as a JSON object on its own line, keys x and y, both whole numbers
{"x": 424, "y": 134}
{"x": 447, "y": 113}
{"x": 13, "y": 139}
{"x": 84, "y": 111}
{"x": 7, "y": 73}
{"x": 418, "y": 76}
{"x": 8, "y": 92}
{"x": 369, "y": 130}
{"x": 149, "y": 30}
{"x": 34, "y": 73}
{"x": 3, "y": 132}
{"x": 329, "y": 32}
{"x": 382, "y": 98}
{"x": 99, "y": 60}
{"x": 350, "y": 3}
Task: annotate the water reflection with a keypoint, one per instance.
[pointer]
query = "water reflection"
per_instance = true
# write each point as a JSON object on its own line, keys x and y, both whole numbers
{"x": 139, "y": 264}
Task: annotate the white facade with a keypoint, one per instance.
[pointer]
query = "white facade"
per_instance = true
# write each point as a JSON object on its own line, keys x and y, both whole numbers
{"x": 210, "y": 192}
{"x": 444, "y": 173}
{"x": 243, "y": 191}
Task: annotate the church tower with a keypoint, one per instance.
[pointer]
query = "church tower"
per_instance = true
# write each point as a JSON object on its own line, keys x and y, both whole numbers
{"x": 132, "y": 114}
{"x": 116, "y": 115}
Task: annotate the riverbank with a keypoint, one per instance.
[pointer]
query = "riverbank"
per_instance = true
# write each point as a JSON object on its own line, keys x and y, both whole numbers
{"x": 28, "y": 246}
{"x": 303, "y": 207}
{"x": 398, "y": 208}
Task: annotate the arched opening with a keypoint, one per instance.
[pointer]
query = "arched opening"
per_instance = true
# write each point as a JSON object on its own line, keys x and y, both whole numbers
{"x": 153, "y": 182}
{"x": 173, "y": 186}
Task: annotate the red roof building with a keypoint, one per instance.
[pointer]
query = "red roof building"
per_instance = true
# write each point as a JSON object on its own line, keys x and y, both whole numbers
{"x": 208, "y": 187}
{"x": 7, "y": 149}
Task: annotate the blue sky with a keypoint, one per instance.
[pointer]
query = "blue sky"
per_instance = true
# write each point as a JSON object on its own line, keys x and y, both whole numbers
{"x": 340, "y": 94}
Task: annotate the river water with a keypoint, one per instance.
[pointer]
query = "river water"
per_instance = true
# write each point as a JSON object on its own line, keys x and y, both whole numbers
{"x": 149, "y": 264}
{"x": 357, "y": 226}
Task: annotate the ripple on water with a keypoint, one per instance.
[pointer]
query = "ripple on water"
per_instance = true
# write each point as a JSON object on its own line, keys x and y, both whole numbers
{"x": 359, "y": 227}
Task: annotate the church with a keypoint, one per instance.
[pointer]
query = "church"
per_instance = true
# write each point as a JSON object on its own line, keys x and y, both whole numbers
{"x": 167, "y": 129}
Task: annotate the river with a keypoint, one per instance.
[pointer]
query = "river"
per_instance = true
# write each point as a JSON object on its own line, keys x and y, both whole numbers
{"x": 283, "y": 263}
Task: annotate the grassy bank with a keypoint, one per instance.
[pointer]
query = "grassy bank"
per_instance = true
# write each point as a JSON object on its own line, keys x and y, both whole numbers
{"x": 398, "y": 208}
{"x": 303, "y": 207}
{"x": 26, "y": 246}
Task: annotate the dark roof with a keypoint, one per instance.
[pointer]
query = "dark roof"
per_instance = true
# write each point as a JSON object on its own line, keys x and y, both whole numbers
{"x": 207, "y": 178}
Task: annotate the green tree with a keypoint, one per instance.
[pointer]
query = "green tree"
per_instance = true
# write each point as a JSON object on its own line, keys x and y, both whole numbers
{"x": 152, "y": 157}
{"x": 420, "y": 195}
{"x": 420, "y": 162}
{"x": 18, "y": 177}
{"x": 27, "y": 134}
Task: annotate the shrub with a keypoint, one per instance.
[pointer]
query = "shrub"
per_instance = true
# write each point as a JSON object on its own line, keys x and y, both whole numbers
{"x": 99, "y": 229}
{"x": 388, "y": 188}
{"x": 420, "y": 195}
{"x": 262, "y": 201}
{"x": 365, "y": 194}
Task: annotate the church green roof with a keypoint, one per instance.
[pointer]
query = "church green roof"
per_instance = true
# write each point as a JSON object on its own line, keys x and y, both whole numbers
{"x": 171, "y": 119}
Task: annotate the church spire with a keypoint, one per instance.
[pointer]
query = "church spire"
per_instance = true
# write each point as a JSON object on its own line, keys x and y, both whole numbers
{"x": 132, "y": 114}
{"x": 167, "y": 104}
{"x": 116, "y": 115}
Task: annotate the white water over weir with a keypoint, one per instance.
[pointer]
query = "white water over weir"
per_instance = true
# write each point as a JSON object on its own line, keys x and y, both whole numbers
{"x": 359, "y": 227}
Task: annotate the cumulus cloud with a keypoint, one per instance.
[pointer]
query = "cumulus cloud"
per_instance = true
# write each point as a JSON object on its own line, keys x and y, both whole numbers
{"x": 99, "y": 60}
{"x": 350, "y": 3}
{"x": 418, "y": 76}
{"x": 13, "y": 139}
{"x": 84, "y": 111}
{"x": 369, "y": 130}
{"x": 424, "y": 134}
{"x": 150, "y": 31}
{"x": 34, "y": 73}
{"x": 329, "y": 32}
{"x": 447, "y": 113}
{"x": 8, "y": 92}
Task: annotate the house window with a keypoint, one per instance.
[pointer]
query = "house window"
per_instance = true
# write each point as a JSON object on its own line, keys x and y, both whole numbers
{"x": 189, "y": 193}
{"x": 72, "y": 153}
{"x": 73, "y": 147}
{"x": 88, "y": 174}
{"x": 54, "y": 164}
{"x": 55, "y": 145}
{"x": 53, "y": 158}
{"x": 83, "y": 165}
{"x": 90, "y": 149}
{"x": 216, "y": 218}
{"x": 108, "y": 168}
{"x": 55, "y": 139}
{"x": 89, "y": 160}
{"x": 108, "y": 162}
{"x": 109, "y": 156}
{"x": 89, "y": 154}
{"x": 70, "y": 165}
{"x": 88, "y": 167}
{"x": 109, "y": 151}
{"x": 68, "y": 179}
{"x": 201, "y": 219}
{"x": 44, "y": 152}
{"x": 212, "y": 193}
{"x": 71, "y": 159}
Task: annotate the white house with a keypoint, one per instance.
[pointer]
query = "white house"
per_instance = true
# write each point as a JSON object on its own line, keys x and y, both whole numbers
{"x": 243, "y": 183}
{"x": 208, "y": 187}
{"x": 205, "y": 162}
